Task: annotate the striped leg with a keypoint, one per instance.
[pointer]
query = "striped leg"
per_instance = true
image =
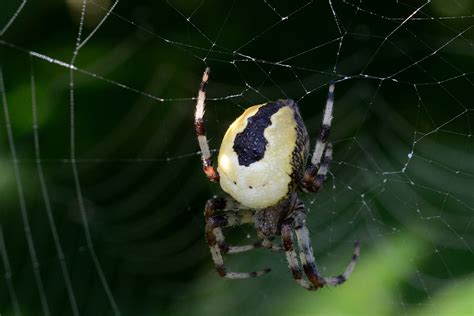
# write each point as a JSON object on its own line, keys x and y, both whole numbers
{"x": 322, "y": 152}
{"x": 262, "y": 243}
{"x": 267, "y": 242}
{"x": 208, "y": 168}
{"x": 215, "y": 238}
{"x": 307, "y": 258}
{"x": 287, "y": 230}
{"x": 221, "y": 204}
{"x": 316, "y": 175}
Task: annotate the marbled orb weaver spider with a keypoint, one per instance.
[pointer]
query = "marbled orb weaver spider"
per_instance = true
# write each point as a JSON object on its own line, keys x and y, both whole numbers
{"x": 261, "y": 165}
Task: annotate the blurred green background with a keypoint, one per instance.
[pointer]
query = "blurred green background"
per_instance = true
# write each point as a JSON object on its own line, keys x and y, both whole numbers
{"x": 124, "y": 234}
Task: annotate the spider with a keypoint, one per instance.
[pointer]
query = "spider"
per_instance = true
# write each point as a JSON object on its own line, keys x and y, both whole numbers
{"x": 261, "y": 166}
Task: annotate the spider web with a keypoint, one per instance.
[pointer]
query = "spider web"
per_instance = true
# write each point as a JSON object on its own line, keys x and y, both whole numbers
{"x": 100, "y": 178}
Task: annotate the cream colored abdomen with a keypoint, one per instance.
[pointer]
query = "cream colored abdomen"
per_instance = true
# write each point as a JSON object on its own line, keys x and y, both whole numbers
{"x": 265, "y": 182}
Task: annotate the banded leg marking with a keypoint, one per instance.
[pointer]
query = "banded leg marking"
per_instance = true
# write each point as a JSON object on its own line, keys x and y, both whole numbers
{"x": 288, "y": 243}
{"x": 322, "y": 151}
{"x": 316, "y": 175}
{"x": 200, "y": 128}
{"x": 216, "y": 241}
{"x": 307, "y": 257}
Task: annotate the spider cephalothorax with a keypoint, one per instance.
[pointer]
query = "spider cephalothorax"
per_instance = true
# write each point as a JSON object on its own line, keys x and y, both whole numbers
{"x": 262, "y": 165}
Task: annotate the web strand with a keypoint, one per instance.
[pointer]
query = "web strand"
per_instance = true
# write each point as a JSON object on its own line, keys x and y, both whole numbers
{"x": 22, "y": 200}
{"x": 402, "y": 138}
{"x": 13, "y": 18}
{"x": 46, "y": 198}
{"x": 8, "y": 274}
{"x": 80, "y": 198}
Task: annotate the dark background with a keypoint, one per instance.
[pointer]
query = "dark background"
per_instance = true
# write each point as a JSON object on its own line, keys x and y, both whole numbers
{"x": 401, "y": 180}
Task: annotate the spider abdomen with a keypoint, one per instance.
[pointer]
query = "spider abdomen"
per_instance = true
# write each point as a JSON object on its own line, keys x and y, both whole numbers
{"x": 263, "y": 154}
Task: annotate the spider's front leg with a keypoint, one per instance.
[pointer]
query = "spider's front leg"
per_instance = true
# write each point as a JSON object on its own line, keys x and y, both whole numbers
{"x": 215, "y": 237}
{"x": 322, "y": 156}
{"x": 228, "y": 204}
{"x": 199, "y": 126}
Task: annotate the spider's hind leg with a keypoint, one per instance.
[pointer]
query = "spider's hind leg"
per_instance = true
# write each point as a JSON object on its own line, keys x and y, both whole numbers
{"x": 307, "y": 258}
{"x": 287, "y": 230}
{"x": 295, "y": 222}
{"x": 215, "y": 237}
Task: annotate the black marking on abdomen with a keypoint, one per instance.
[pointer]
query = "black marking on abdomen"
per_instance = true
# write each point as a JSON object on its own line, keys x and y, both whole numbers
{"x": 250, "y": 144}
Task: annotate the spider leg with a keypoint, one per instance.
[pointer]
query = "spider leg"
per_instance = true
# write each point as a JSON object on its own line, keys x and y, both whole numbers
{"x": 315, "y": 176}
{"x": 307, "y": 258}
{"x": 215, "y": 237}
{"x": 267, "y": 242}
{"x": 263, "y": 243}
{"x": 288, "y": 243}
{"x": 225, "y": 204}
{"x": 311, "y": 182}
{"x": 199, "y": 125}
{"x": 221, "y": 204}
